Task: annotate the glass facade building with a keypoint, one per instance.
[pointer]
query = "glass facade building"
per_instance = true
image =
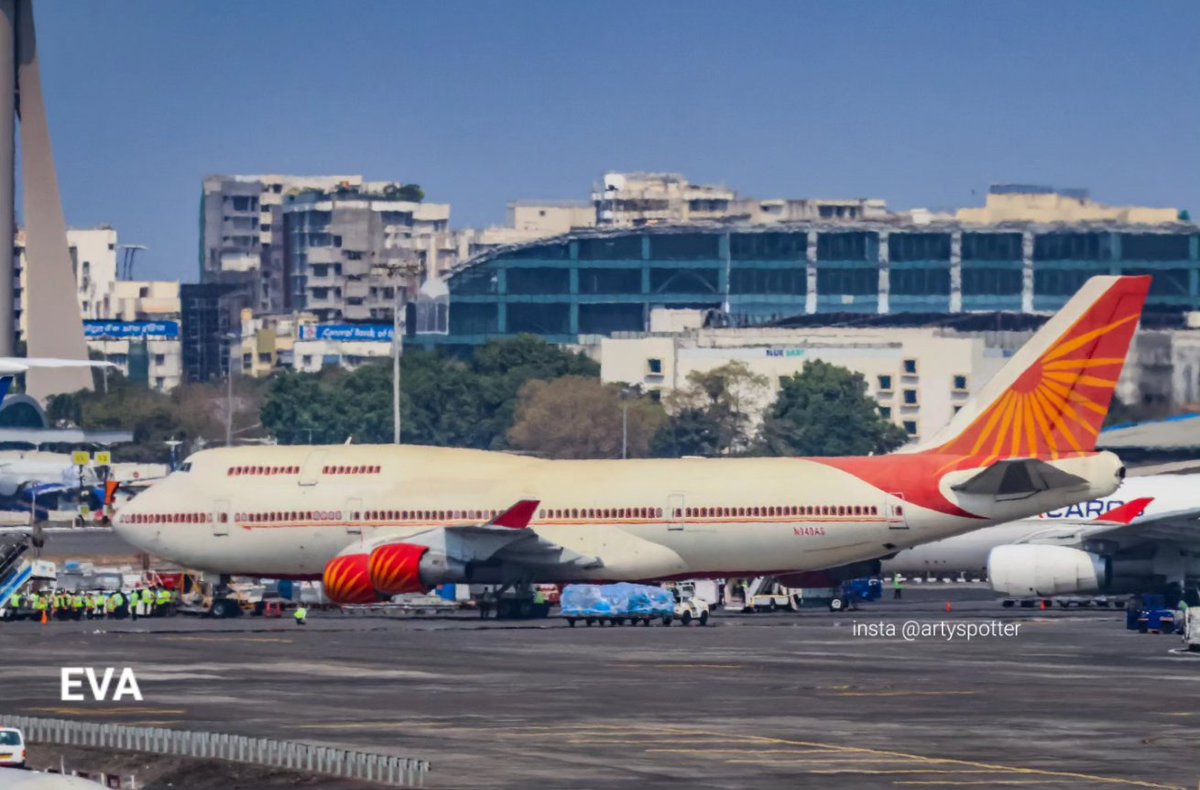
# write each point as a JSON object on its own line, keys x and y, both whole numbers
{"x": 598, "y": 283}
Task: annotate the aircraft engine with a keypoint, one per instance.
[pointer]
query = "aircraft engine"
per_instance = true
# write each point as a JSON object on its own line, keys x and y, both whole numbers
{"x": 347, "y": 580}
{"x": 408, "y": 567}
{"x": 1032, "y": 570}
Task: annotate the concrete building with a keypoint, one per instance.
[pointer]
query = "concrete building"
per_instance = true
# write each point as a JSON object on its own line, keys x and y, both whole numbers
{"x": 241, "y": 232}
{"x": 631, "y": 200}
{"x": 1032, "y": 203}
{"x": 550, "y": 217}
{"x": 243, "y": 235}
{"x": 147, "y": 352}
{"x": 919, "y": 376}
{"x": 301, "y": 342}
{"x": 93, "y": 253}
{"x": 132, "y": 323}
{"x": 339, "y": 247}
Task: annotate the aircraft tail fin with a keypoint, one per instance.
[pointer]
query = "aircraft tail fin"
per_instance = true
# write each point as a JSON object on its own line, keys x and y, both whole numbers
{"x": 1125, "y": 514}
{"x": 1053, "y": 395}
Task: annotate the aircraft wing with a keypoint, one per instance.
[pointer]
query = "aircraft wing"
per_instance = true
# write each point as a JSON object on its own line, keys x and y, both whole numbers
{"x": 1181, "y": 526}
{"x": 506, "y": 538}
{"x": 40, "y": 436}
{"x": 13, "y": 365}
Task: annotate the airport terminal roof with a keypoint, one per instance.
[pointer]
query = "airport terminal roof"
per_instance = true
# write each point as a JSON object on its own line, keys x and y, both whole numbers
{"x": 893, "y": 223}
{"x": 1172, "y": 433}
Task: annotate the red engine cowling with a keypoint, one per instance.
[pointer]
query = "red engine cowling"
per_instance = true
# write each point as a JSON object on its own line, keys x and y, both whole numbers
{"x": 348, "y": 580}
{"x": 396, "y": 568}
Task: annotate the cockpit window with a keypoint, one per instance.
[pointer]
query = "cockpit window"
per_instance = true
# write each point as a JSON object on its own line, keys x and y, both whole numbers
{"x": 186, "y": 466}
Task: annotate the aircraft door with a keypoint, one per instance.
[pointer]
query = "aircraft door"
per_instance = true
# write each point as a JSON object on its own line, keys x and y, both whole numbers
{"x": 353, "y": 516}
{"x": 311, "y": 468}
{"x": 893, "y": 508}
{"x": 220, "y": 518}
{"x": 674, "y": 512}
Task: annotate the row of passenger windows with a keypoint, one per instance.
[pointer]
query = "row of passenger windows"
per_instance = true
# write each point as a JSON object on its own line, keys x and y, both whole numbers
{"x": 712, "y": 512}
{"x": 484, "y": 515}
{"x": 238, "y": 471}
{"x": 235, "y": 471}
{"x": 170, "y": 518}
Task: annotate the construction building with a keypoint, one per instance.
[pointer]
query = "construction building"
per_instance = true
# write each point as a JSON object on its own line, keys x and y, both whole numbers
{"x": 354, "y": 253}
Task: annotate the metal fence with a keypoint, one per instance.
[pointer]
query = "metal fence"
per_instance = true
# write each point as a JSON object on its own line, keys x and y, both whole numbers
{"x": 381, "y": 768}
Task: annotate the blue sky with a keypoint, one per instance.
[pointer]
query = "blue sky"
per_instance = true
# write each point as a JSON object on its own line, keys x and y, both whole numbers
{"x": 920, "y": 103}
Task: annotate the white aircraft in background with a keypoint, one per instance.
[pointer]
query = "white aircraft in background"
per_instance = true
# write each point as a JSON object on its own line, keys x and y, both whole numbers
{"x": 34, "y": 479}
{"x": 1144, "y": 538}
{"x": 374, "y": 521}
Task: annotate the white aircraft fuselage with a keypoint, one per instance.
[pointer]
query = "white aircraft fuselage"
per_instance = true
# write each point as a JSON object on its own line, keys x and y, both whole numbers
{"x": 287, "y": 511}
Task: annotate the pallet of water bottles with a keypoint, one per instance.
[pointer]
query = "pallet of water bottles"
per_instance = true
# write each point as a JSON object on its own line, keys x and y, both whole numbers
{"x": 618, "y": 604}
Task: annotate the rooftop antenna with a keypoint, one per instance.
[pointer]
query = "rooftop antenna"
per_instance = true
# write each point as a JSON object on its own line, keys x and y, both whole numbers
{"x": 128, "y": 254}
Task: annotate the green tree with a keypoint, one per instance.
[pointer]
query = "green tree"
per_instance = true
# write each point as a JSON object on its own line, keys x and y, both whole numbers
{"x": 194, "y": 414}
{"x": 297, "y": 409}
{"x": 503, "y": 367}
{"x": 825, "y": 410}
{"x": 411, "y": 192}
{"x": 689, "y": 432}
{"x": 710, "y": 414}
{"x": 578, "y": 417}
{"x": 444, "y": 401}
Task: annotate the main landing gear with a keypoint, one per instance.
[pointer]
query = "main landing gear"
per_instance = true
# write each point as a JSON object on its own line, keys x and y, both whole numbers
{"x": 519, "y": 602}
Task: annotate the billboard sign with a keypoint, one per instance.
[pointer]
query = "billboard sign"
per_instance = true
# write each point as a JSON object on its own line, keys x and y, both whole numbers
{"x": 348, "y": 333}
{"x": 131, "y": 330}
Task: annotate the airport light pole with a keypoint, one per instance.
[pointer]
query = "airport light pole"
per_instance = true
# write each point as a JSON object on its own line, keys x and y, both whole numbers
{"x": 624, "y": 430}
{"x": 397, "y": 271}
{"x": 229, "y": 338}
{"x": 626, "y": 393}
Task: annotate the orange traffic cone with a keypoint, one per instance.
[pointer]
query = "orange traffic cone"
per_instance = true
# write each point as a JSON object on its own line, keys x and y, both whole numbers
{"x": 1043, "y": 603}
{"x": 45, "y": 618}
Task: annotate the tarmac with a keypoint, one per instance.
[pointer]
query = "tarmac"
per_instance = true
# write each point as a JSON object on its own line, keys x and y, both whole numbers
{"x": 1070, "y": 700}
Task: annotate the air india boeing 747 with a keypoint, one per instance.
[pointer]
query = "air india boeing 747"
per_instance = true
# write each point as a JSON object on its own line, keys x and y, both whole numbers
{"x": 377, "y": 520}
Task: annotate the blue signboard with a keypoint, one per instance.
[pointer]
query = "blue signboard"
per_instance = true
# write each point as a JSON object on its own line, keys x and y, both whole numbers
{"x": 358, "y": 333}
{"x": 131, "y": 330}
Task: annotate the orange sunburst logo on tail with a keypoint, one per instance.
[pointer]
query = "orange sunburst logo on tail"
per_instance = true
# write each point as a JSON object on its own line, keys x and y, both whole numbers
{"x": 1058, "y": 404}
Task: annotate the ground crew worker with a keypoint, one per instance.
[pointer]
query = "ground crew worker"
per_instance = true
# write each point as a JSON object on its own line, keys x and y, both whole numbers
{"x": 897, "y": 587}
{"x": 300, "y": 614}
{"x": 162, "y": 601}
{"x": 116, "y": 601}
{"x": 77, "y": 606}
{"x": 147, "y": 602}
{"x": 15, "y": 601}
{"x": 539, "y": 597}
{"x": 485, "y": 604}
